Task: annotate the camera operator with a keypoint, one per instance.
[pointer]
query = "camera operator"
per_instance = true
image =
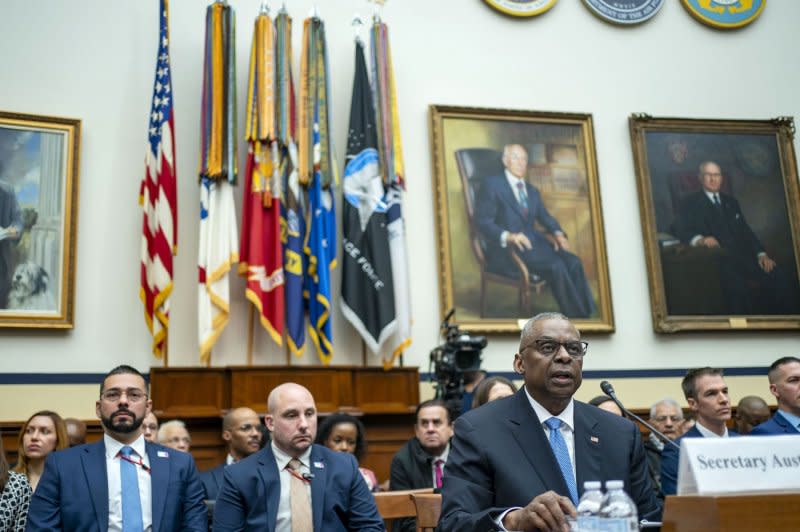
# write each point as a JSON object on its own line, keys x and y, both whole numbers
{"x": 471, "y": 381}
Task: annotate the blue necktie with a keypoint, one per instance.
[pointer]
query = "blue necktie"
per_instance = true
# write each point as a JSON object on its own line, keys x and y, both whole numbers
{"x": 562, "y": 456}
{"x": 522, "y": 198}
{"x": 131, "y": 503}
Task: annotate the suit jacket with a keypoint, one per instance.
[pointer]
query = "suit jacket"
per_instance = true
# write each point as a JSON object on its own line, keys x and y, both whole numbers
{"x": 500, "y": 458}
{"x": 670, "y": 458}
{"x": 497, "y": 210}
{"x": 340, "y": 498}
{"x": 73, "y": 491}
{"x": 698, "y": 216}
{"x": 212, "y": 481}
{"x": 411, "y": 469}
{"x": 777, "y": 424}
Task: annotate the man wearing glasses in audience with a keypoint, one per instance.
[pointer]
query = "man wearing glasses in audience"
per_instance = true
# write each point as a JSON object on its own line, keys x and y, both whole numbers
{"x": 121, "y": 482}
{"x": 667, "y": 417}
{"x": 519, "y": 463}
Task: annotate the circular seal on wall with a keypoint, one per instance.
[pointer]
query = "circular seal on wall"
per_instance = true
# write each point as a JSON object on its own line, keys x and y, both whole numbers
{"x": 625, "y": 12}
{"x": 725, "y": 14}
{"x": 521, "y": 8}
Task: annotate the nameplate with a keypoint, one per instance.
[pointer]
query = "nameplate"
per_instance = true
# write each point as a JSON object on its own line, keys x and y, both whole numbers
{"x": 735, "y": 465}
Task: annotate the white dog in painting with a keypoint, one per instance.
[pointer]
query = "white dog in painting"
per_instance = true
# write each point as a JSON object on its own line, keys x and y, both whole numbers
{"x": 30, "y": 288}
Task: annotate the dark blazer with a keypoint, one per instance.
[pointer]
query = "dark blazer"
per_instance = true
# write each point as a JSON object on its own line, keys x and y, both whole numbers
{"x": 340, "y": 498}
{"x": 669, "y": 461}
{"x": 500, "y": 457}
{"x": 212, "y": 481}
{"x": 73, "y": 491}
{"x": 777, "y": 424}
{"x": 411, "y": 469}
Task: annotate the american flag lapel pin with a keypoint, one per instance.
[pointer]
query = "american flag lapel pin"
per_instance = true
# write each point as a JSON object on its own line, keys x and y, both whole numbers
{"x": 594, "y": 439}
{"x": 163, "y": 454}
{"x": 319, "y": 465}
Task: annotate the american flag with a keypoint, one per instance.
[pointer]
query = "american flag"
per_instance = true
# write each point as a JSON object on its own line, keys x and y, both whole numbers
{"x": 158, "y": 198}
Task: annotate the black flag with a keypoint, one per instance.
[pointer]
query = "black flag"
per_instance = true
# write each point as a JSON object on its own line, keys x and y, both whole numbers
{"x": 367, "y": 290}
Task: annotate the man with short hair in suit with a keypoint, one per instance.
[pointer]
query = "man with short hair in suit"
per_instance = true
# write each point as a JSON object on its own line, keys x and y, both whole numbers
{"x": 421, "y": 461}
{"x": 751, "y": 411}
{"x": 240, "y": 429}
{"x": 292, "y": 485}
{"x": 506, "y": 209}
{"x": 120, "y": 483}
{"x": 519, "y": 463}
{"x": 784, "y": 384}
{"x": 667, "y": 417}
{"x": 713, "y": 219}
{"x": 707, "y": 394}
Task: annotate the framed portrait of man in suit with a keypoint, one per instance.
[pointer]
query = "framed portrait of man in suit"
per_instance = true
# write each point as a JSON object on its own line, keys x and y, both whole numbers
{"x": 38, "y": 220}
{"x": 720, "y": 211}
{"x": 518, "y": 217}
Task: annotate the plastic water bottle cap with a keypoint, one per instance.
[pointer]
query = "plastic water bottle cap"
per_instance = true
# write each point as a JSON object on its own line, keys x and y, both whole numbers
{"x": 614, "y": 484}
{"x": 591, "y": 485}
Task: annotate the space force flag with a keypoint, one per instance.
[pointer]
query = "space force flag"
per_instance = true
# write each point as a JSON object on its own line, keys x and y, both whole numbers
{"x": 367, "y": 288}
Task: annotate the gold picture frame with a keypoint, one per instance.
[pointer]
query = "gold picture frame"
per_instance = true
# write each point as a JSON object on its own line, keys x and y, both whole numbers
{"x": 708, "y": 256}
{"x": 490, "y": 287}
{"x": 39, "y": 162}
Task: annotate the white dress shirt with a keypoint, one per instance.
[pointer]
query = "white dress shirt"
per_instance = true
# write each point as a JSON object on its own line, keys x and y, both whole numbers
{"x": 113, "y": 448}
{"x": 708, "y": 433}
{"x": 284, "y": 521}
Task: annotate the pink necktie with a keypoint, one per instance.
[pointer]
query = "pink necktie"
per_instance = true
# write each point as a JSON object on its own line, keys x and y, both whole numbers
{"x": 437, "y": 465}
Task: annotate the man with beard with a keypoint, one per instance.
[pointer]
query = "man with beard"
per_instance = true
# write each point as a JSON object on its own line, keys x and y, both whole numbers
{"x": 121, "y": 482}
{"x": 519, "y": 463}
{"x": 240, "y": 428}
{"x": 291, "y": 484}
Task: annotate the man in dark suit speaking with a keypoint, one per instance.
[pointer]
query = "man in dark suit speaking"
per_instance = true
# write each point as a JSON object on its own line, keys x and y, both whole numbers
{"x": 292, "y": 485}
{"x": 712, "y": 219}
{"x": 519, "y": 463}
{"x": 120, "y": 483}
{"x": 506, "y": 209}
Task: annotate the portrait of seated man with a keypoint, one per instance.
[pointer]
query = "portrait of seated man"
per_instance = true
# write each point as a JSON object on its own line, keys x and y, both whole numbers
{"x": 751, "y": 282}
{"x": 507, "y": 212}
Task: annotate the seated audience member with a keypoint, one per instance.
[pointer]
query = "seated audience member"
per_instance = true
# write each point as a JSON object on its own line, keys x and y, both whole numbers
{"x": 265, "y": 437}
{"x": 667, "y": 417}
{"x": 173, "y": 434}
{"x": 604, "y": 402}
{"x": 519, "y": 463}
{"x": 43, "y": 433}
{"x": 293, "y": 484}
{"x": 120, "y": 482}
{"x": 150, "y": 428}
{"x": 243, "y": 437}
{"x": 492, "y": 388}
{"x": 76, "y": 431}
{"x": 15, "y": 495}
{"x": 707, "y": 394}
{"x": 345, "y": 434}
{"x": 784, "y": 384}
{"x": 472, "y": 379}
{"x": 751, "y": 411}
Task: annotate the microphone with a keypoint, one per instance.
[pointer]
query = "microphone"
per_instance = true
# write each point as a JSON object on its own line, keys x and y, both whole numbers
{"x": 308, "y": 477}
{"x": 608, "y": 389}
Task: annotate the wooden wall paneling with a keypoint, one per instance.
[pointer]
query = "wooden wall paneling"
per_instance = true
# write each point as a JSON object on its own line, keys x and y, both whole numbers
{"x": 380, "y": 391}
{"x": 189, "y": 392}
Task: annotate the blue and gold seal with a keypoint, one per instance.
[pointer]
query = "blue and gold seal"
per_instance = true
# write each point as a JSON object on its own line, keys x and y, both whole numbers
{"x": 725, "y": 14}
{"x": 521, "y": 8}
{"x": 627, "y": 12}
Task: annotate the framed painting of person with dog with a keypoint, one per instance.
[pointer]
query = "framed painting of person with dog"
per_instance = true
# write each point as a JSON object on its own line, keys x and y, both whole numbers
{"x": 720, "y": 210}
{"x": 519, "y": 223}
{"x": 38, "y": 220}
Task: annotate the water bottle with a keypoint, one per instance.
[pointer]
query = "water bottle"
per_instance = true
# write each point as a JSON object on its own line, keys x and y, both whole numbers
{"x": 589, "y": 507}
{"x": 618, "y": 513}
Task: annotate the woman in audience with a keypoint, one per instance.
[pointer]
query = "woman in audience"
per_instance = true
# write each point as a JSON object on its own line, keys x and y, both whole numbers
{"x": 43, "y": 433}
{"x": 493, "y": 388}
{"x": 345, "y": 433}
{"x": 15, "y": 495}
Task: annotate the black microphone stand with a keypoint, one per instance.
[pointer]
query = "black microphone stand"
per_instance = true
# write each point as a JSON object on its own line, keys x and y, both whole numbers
{"x": 609, "y": 391}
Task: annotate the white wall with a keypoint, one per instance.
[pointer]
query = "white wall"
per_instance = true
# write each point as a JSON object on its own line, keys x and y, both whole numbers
{"x": 94, "y": 60}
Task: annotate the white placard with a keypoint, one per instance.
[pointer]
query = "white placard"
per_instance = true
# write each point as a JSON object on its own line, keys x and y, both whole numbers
{"x": 733, "y": 465}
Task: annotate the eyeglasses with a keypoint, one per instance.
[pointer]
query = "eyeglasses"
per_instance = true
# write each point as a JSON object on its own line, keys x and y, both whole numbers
{"x": 548, "y": 348}
{"x": 661, "y": 419}
{"x": 134, "y": 395}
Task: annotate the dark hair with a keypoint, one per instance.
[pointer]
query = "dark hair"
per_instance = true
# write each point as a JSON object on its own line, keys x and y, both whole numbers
{"x": 689, "y": 380}
{"x": 62, "y": 440}
{"x": 772, "y": 375}
{"x": 599, "y": 400}
{"x": 123, "y": 370}
{"x": 3, "y": 466}
{"x": 434, "y": 402}
{"x": 328, "y": 424}
{"x": 482, "y": 391}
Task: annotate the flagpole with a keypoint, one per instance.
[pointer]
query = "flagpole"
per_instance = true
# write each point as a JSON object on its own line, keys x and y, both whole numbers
{"x": 363, "y": 353}
{"x": 166, "y": 350}
{"x": 288, "y": 355}
{"x": 250, "y": 334}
